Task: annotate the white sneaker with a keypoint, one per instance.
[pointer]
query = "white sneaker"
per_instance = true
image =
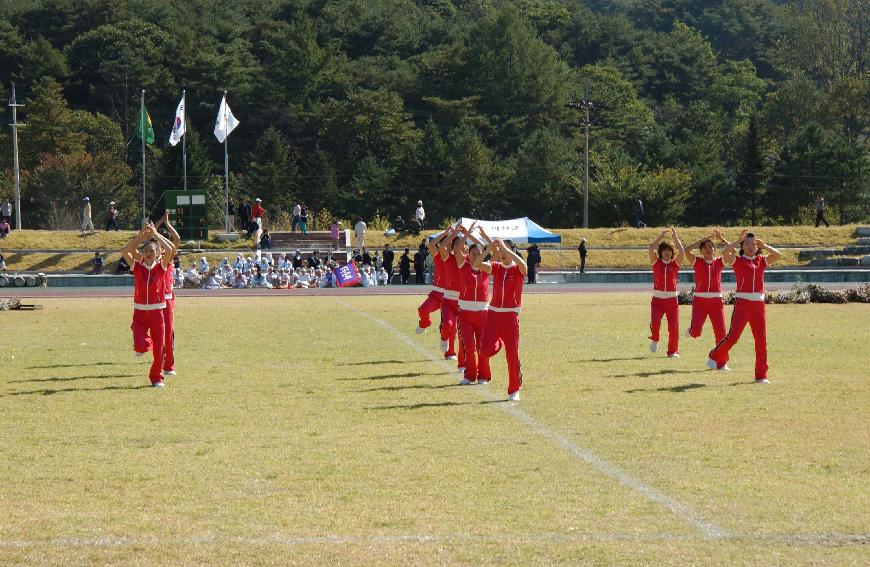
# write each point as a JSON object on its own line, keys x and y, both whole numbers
{"x": 762, "y": 381}
{"x": 674, "y": 355}
{"x": 515, "y": 397}
{"x": 444, "y": 346}
{"x": 169, "y": 372}
{"x": 158, "y": 384}
{"x": 420, "y": 330}
{"x": 467, "y": 382}
{"x": 461, "y": 370}
{"x": 724, "y": 369}
{"x": 711, "y": 364}
{"x": 451, "y": 357}
{"x": 653, "y": 346}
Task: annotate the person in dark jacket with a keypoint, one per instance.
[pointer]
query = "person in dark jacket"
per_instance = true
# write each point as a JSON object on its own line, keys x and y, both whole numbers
{"x": 389, "y": 256}
{"x": 638, "y": 213}
{"x": 533, "y": 260}
{"x": 366, "y": 258}
{"x": 582, "y": 250}
{"x": 405, "y": 266}
{"x": 420, "y": 266}
{"x": 245, "y": 213}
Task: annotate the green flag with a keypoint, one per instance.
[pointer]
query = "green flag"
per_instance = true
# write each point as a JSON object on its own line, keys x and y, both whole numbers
{"x": 144, "y": 123}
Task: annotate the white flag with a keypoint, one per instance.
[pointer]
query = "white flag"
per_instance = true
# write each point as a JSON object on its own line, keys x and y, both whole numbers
{"x": 178, "y": 126}
{"x": 226, "y": 122}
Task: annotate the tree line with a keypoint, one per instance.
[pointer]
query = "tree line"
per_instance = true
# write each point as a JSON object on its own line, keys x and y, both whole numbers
{"x": 729, "y": 112}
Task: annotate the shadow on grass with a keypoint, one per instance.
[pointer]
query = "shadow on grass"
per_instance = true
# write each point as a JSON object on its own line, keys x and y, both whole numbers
{"x": 410, "y": 387}
{"x": 71, "y": 378}
{"x": 611, "y": 359}
{"x": 396, "y": 375}
{"x": 674, "y": 389}
{"x": 52, "y": 366}
{"x": 421, "y": 406}
{"x": 655, "y": 373}
{"x": 391, "y": 361}
{"x": 51, "y": 392}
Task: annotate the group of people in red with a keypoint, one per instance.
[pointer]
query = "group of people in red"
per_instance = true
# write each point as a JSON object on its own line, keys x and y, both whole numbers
{"x": 746, "y": 259}
{"x": 150, "y": 254}
{"x": 474, "y": 325}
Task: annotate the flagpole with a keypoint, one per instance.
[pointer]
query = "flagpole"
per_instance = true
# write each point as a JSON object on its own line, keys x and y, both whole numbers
{"x": 142, "y": 136}
{"x": 226, "y": 172}
{"x": 184, "y": 137}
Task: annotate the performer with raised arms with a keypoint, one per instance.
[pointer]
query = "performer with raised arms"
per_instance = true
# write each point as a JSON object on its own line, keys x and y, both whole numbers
{"x": 473, "y": 308}
{"x": 664, "y": 301}
{"x": 432, "y": 303}
{"x": 149, "y": 294}
{"x": 502, "y": 326}
{"x": 169, "y": 312}
{"x": 707, "y": 298}
{"x": 450, "y": 301}
{"x": 749, "y": 267}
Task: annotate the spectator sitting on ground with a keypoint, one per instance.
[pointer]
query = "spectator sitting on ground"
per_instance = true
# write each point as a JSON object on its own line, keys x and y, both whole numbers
{"x": 302, "y": 280}
{"x": 356, "y": 257}
{"x": 383, "y": 276}
{"x": 285, "y": 262}
{"x": 297, "y": 259}
{"x": 259, "y": 279}
{"x": 314, "y": 260}
{"x": 329, "y": 279}
{"x": 123, "y": 267}
{"x": 192, "y": 277}
{"x": 263, "y": 264}
{"x": 366, "y": 258}
{"x": 266, "y": 240}
{"x": 203, "y": 265}
{"x": 282, "y": 279}
{"x": 4, "y": 228}
{"x": 214, "y": 281}
{"x": 239, "y": 263}
{"x": 239, "y": 280}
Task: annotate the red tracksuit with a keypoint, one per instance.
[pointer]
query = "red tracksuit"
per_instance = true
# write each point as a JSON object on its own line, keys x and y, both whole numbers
{"x": 149, "y": 301}
{"x": 169, "y": 323}
{"x": 707, "y": 301}
{"x": 473, "y": 300}
{"x": 503, "y": 320}
{"x": 450, "y": 310}
{"x": 433, "y": 301}
{"x": 748, "y": 308}
{"x": 664, "y": 303}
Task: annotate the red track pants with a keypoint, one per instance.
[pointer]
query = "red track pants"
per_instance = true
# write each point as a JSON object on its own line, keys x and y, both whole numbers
{"x": 471, "y": 327}
{"x": 169, "y": 335}
{"x": 666, "y": 307}
{"x": 429, "y": 306}
{"x": 449, "y": 324}
{"x": 751, "y": 312}
{"x": 712, "y": 307}
{"x": 145, "y": 323}
{"x": 504, "y": 329}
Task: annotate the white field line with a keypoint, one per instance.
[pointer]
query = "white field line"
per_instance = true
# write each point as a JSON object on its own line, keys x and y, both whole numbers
{"x": 830, "y": 539}
{"x": 681, "y": 511}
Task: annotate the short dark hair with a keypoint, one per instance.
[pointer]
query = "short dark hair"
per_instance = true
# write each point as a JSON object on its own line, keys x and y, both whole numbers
{"x": 748, "y": 236}
{"x": 705, "y": 241}
{"x": 665, "y": 246}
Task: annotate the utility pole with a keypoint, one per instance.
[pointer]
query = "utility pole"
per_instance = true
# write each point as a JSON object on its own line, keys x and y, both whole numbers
{"x": 585, "y": 105}
{"x": 16, "y": 173}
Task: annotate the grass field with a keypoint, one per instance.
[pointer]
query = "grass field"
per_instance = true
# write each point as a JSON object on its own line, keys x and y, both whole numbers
{"x": 322, "y": 430}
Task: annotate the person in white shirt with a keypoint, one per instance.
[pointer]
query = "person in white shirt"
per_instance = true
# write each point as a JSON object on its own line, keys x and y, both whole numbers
{"x": 259, "y": 279}
{"x": 383, "y": 276}
{"x": 301, "y": 278}
{"x": 179, "y": 278}
{"x": 239, "y": 280}
{"x": 192, "y": 276}
{"x": 360, "y": 231}
{"x": 239, "y": 263}
{"x": 420, "y": 215}
{"x": 214, "y": 281}
{"x": 87, "y": 223}
{"x": 297, "y": 216}
{"x": 203, "y": 265}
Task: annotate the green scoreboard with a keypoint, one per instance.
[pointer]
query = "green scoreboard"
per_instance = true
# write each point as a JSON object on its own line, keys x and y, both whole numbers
{"x": 187, "y": 213}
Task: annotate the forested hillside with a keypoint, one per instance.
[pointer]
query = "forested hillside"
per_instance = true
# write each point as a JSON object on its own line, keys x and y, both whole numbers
{"x": 713, "y": 112}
